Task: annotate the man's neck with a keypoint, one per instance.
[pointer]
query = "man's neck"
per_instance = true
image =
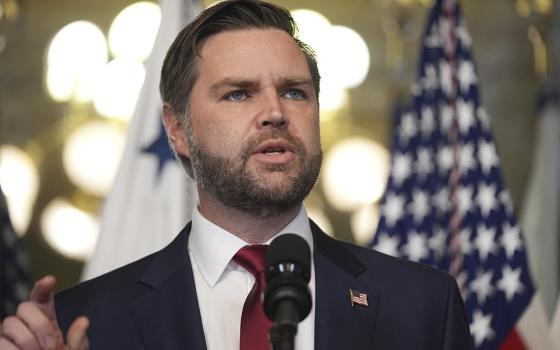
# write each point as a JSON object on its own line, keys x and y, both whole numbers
{"x": 251, "y": 229}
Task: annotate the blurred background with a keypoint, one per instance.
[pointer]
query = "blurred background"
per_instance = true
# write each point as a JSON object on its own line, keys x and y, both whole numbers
{"x": 71, "y": 71}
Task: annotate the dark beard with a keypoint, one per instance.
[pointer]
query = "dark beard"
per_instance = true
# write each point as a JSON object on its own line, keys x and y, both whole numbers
{"x": 234, "y": 186}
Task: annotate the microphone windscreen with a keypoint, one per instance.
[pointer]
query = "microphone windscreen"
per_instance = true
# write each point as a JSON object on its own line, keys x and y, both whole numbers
{"x": 289, "y": 248}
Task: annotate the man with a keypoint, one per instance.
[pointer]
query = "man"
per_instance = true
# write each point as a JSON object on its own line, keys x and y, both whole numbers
{"x": 241, "y": 112}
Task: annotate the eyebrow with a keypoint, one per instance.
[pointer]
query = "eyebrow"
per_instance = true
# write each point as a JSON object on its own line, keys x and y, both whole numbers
{"x": 246, "y": 83}
{"x": 292, "y": 81}
{"x": 230, "y": 81}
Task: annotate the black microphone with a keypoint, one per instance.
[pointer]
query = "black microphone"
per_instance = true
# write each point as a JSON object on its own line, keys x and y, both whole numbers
{"x": 287, "y": 298}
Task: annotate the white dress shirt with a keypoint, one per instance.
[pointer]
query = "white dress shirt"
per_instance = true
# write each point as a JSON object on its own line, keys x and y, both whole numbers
{"x": 222, "y": 285}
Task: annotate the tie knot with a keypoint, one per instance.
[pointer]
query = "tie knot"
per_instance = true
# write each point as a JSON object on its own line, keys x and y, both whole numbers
{"x": 251, "y": 257}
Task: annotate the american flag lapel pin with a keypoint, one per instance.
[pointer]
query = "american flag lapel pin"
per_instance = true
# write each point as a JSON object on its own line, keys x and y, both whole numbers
{"x": 359, "y": 298}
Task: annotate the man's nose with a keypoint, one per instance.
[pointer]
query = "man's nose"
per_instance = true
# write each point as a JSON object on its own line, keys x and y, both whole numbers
{"x": 271, "y": 113}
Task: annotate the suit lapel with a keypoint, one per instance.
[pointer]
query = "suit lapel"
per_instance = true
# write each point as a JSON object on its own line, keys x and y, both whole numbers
{"x": 168, "y": 317}
{"x": 338, "y": 324}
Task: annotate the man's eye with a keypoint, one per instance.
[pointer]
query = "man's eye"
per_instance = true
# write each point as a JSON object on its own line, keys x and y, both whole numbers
{"x": 295, "y": 94}
{"x": 236, "y": 96}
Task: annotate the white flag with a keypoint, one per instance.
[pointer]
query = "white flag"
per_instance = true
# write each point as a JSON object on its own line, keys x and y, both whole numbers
{"x": 152, "y": 198}
{"x": 540, "y": 219}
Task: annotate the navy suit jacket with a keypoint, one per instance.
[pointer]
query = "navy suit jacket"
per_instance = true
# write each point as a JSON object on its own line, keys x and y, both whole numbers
{"x": 152, "y": 304}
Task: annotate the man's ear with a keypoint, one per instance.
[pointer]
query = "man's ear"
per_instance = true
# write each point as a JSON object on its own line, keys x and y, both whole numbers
{"x": 175, "y": 131}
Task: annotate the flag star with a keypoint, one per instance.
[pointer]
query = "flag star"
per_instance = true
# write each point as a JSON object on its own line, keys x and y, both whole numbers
{"x": 408, "y": 127}
{"x": 482, "y": 286}
{"x": 430, "y": 81}
{"x": 437, "y": 243}
{"x": 447, "y": 113}
{"x": 427, "y": 121}
{"x": 466, "y": 158}
{"x": 465, "y": 244}
{"x": 486, "y": 198}
{"x": 446, "y": 77}
{"x": 484, "y": 118}
{"x": 387, "y": 245}
{"x": 424, "y": 164}
{"x": 466, "y": 75}
{"x": 484, "y": 242}
{"x": 465, "y": 113}
{"x": 401, "y": 169}
{"x": 159, "y": 147}
{"x": 464, "y": 199}
{"x": 416, "y": 89}
{"x": 442, "y": 200}
{"x": 419, "y": 206}
{"x": 480, "y": 327}
{"x": 445, "y": 159}
{"x": 511, "y": 239}
{"x": 506, "y": 201}
{"x": 510, "y": 283}
{"x": 433, "y": 40}
{"x": 488, "y": 156}
{"x": 393, "y": 209}
{"x": 416, "y": 247}
{"x": 463, "y": 35}
{"x": 461, "y": 281}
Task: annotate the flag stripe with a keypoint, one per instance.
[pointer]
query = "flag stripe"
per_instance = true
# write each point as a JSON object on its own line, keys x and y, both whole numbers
{"x": 513, "y": 342}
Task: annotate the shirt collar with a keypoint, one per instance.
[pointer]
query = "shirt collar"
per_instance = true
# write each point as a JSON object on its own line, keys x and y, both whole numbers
{"x": 212, "y": 247}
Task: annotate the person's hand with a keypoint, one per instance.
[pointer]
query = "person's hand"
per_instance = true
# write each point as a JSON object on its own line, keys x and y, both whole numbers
{"x": 34, "y": 326}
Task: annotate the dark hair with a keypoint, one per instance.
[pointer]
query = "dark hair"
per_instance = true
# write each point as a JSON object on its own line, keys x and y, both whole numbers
{"x": 180, "y": 69}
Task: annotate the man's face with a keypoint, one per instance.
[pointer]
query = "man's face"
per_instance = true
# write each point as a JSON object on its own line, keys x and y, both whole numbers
{"x": 254, "y": 122}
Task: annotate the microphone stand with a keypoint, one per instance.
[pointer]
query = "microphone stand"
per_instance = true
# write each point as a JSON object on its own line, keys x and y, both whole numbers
{"x": 284, "y": 329}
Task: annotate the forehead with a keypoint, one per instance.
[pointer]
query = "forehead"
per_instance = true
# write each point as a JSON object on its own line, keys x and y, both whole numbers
{"x": 252, "y": 53}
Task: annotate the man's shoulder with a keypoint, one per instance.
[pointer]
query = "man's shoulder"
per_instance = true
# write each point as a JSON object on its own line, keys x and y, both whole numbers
{"x": 110, "y": 281}
{"x": 109, "y": 295}
{"x": 394, "y": 278}
{"x": 384, "y": 265}
{"x": 104, "y": 299}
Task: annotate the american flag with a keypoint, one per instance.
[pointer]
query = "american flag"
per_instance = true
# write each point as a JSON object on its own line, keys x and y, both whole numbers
{"x": 15, "y": 281}
{"x": 358, "y": 298}
{"x": 446, "y": 204}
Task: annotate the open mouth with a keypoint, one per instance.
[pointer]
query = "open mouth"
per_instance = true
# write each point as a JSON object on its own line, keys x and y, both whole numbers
{"x": 275, "y": 151}
{"x": 272, "y": 147}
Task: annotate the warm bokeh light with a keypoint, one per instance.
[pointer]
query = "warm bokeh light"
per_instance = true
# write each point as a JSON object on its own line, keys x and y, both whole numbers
{"x": 84, "y": 91}
{"x": 523, "y": 8}
{"x": 407, "y": 3}
{"x": 78, "y": 49}
{"x": 69, "y": 230}
{"x": 364, "y": 223}
{"x": 312, "y": 27}
{"x": 332, "y": 97}
{"x": 20, "y": 183}
{"x": 133, "y": 31}
{"x": 544, "y": 6}
{"x": 355, "y": 173}
{"x": 346, "y": 59}
{"x": 92, "y": 154}
{"x": 342, "y": 54}
{"x": 117, "y": 89}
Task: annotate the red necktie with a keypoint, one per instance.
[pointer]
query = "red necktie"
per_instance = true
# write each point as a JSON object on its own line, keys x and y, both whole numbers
{"x": 254, "y": 323}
